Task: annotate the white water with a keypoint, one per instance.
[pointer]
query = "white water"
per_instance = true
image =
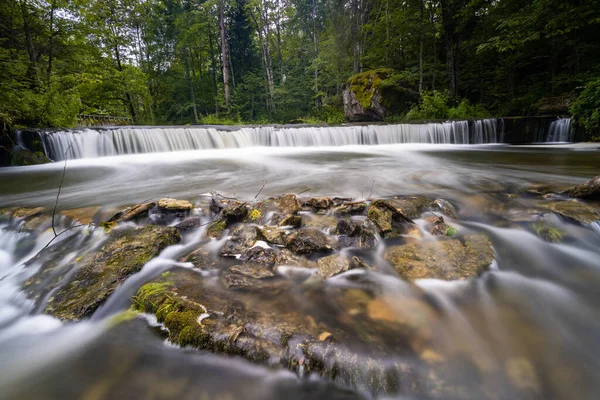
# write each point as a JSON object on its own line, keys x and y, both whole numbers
{"x": 89, "y": 143}
{"x": 560, "y": 131}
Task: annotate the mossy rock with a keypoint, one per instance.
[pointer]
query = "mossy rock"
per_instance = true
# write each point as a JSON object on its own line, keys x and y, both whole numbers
{"x": 449, "y": 259}
{"x": 572, "y": 209}
{"x": 22, "y": 157}
{"x": 100, "y": 272}
{"x": 371, "y": 95}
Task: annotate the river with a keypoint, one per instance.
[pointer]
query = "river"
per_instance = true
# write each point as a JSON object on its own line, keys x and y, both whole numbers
{"x": 528, "y": 328}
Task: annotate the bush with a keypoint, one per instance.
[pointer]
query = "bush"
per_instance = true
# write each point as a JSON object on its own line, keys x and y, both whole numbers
{"x": 586, "y": 109}
{"x": 436, "y": 105}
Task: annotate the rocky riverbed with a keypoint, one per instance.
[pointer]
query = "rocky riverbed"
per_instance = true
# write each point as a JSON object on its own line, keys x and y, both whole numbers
{"x": 303, "y": 283}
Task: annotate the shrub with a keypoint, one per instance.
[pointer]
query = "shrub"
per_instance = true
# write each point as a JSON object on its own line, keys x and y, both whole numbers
{"x": 586, "y": 109}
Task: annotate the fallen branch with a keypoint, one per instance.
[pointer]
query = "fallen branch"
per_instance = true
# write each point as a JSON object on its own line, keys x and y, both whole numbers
{"x": 261, "y": 188}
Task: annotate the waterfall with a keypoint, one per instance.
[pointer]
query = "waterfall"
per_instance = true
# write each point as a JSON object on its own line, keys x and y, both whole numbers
{"x": 560, "y": 131}
{"x": 88, "y": 143}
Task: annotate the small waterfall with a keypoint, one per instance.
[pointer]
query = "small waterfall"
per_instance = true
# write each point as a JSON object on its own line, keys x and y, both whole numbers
{"x": 89, "y": 143}
{"x": 560, "y": 131}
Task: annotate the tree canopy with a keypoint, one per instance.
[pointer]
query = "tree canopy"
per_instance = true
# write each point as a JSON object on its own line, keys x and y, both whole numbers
{"x": 211, "y": 61}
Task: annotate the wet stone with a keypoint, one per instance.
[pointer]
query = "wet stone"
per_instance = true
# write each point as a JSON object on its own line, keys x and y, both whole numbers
{"x": 356, "y": 233}
{"x": 448, "y": 259}
{"x": 336, "y": 264}
{"x": 446, "y": 208}
{"x": 388, "y": 220}
{"x": 242, "y": 238}
{"x": 572, "y": 209}
{"x": 134, "y": 212}
{"x": 255, "y": 271}
{"x": 589, "y": 190}
{"x": 411, "y": 206}
{"x": 351, "y": 208}
{"x": 216, "y": 228}
{"x": 271, "y": 257}
{"x": 189, "y": 224}
{"x": 202, "y": 260}
{"x": 290, "y": 220}
{"x": 168, "y": 204}
{"x": 306, "y": 241}
{"x": 234, "y": 212}
{"x": 274, "y": 235}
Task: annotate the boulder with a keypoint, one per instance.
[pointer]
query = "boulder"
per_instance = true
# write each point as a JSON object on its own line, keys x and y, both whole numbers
{"x": 242, "y": 238}
{"x": 307, "y": 241}
{"x": 99, "y": 272}
{"x": 448, "y": 259}
{"x": 23, "y": 156}
{"x": 589, "y": 190}
{"x": 336, "y": 264}
{"x": 389, "y": 221}
{"x": 372, "y": 95}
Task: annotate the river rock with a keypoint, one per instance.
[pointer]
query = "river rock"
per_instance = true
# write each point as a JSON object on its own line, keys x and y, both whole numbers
{"x": 307, "y": 240}
{"x": 389, "y": 221}
{"x": 572, "y": 209}
{"x": 234, "y": 212}
{"x": 319, "y": 221}
{"x": 589, "y": 190}
{"x": 447, "y": 259}
{"x": 168, "y": 204}
{"x": 321, "y": 203}
{"x": 336, "y": 264}
{"x": 356, "y": 233}
{"x": 286, "y": 204}
{"x": 84, "y": 215}
{"x": 446, "y": 208}
{"x": 189, "y": 224}
{"x": 350, "y": 208}
{"x": 202, "y": 259}
{"x": 410, "y": 206}
{"x": 216, "y": 228}
{"x": 274, "y": 235}
{"x": 133, "y": 212}
{"x": 99, "y": 272}
{"x": 242, "y": 238}
{"x": 271, "y": 257}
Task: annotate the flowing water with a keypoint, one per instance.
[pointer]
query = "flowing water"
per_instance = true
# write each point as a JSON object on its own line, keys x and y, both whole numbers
{"x": 528, "y": 328}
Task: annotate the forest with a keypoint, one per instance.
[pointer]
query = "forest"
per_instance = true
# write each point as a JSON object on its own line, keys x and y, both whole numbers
{"x": 285, "y": 61}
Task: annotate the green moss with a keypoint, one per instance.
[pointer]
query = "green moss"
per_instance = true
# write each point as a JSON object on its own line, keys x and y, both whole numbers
{"x": 216, "y": 228}
{"x": 365, "y": 85}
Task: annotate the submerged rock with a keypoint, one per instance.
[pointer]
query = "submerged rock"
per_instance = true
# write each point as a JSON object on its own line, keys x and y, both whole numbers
{"x": 286, "y": 204}
{"x": 589, "y": 190}
{"x": 202, "y": 260}
{"x": 271, "y": 257}
{"x": 274, "y": 235}
{"x": 242, "y": 238}
{"x": 389, "y": 221}
{"x": 410, "y": 206}
{"x": 306, "y": 241}
{"x": 573, "y": 209}
{"x": 189, "y": 224}
{"x": 447, "y": 259}
{"x": 99, "y": 272}
{"x": 336, "y": 264}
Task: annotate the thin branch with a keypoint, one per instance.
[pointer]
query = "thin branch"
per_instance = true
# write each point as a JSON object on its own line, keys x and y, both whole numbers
{"x": 57, "y": 235}
{"x": 261, "y": 188}
{"x": 371, "y": 192}
{"x": 62, "y": 179}
{"x": 303, "y": 191}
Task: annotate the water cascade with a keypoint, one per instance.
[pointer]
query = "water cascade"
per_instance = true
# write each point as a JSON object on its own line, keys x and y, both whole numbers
{"x": 89, "y": 143}
{"x": 560, "y": 131}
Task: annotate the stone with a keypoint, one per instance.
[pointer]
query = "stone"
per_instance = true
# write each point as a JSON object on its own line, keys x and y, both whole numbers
{"x": 446, "y": 208}
{"x": 589, "y": 190}
{"x": 189, "y": 224}
{"x": 448, "y": 259}
{"x": 274, "y": 235}
{"x": 85, "y": 215}
{"x": 271, "y": 257}
{"x": 22, "y": 157}
{"x": 168, "y": 204}
{"x": 256, "y": 271}
{"x": 319, "y": 221}
{"x": 321, "y": 203}
{"x": 410, "y": 206}
{"x": 572, "y": 209}
{"x": 234, "y": 212}
{"x": 242, "y": 238}
{"x": 294, "y": 221}
{"x": 389, "y": 221}
{"x": 307, "y": 241}
{"x": 333, "y": 265}
{"x": 202, "y": 259}
{"x": 134, "y": 212}
{"x": 371, "y": 95}
{"x": 99, "y": 272}
{"x": 286, "y": 204}
{"x": 354, "y": 233}
{"x": 351, "y": 208}
{"x": 216, "y": 228}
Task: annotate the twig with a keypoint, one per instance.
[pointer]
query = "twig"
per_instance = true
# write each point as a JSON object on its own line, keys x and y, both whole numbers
{"x": 62, "y": 179}
{"x": 371, "y": 192}
{"x": 261, "y": 188}
{"x": 56, "y": 236}
{"x": 304, "y": 191}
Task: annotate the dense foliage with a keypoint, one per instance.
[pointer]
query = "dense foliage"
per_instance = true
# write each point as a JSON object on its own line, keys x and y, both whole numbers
{"x": 210, "y": 61}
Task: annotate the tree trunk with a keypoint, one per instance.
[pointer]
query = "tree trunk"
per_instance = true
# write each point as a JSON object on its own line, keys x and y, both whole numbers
{"x": 214, "y": 70}
{"x": 191, "y": 89}
{"x": 51, "y": 46}
{"x": 29, "y": 40}
{"x": 128, "y": 98}
{"x": 315, "y": 43}
{"x": 452, "y": 43}
{"x": 421, "y": 40}
{"x": 224, "y": 55}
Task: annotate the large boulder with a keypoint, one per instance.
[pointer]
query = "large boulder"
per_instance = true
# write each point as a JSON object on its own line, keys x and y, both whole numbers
{"x": 589, "y": 190}
{"x": 372, "y": 95}
{"x": 449, "y": 259}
